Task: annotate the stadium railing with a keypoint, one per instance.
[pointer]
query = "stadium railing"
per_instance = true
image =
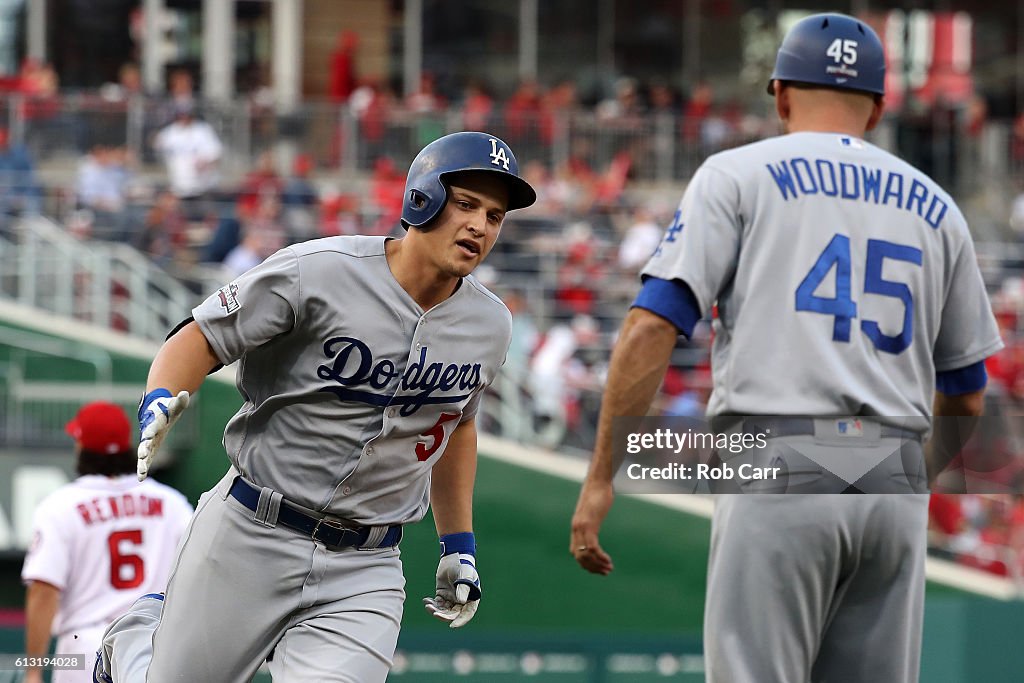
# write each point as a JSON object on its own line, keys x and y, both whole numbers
{"x": 340, "y": 137}
{"x": 44, "y": 380}
{"x": 105, "y": 283}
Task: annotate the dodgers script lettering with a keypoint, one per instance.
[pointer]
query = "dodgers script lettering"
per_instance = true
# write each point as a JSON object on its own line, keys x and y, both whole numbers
{"x": 355, "y": 366}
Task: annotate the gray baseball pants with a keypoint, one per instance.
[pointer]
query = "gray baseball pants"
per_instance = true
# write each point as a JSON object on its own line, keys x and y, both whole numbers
{"x": 815, "y": 588}
{"x": 242, "y": 591}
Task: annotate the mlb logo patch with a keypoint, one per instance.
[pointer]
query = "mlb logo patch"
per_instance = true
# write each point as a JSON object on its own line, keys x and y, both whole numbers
{"x": 228, "y": 296}
{"x": 849, "y": 428}
{"x": 854, "y": 143}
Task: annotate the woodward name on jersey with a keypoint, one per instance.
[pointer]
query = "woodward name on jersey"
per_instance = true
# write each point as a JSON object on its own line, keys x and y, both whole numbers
{"x": 799, "y": 176}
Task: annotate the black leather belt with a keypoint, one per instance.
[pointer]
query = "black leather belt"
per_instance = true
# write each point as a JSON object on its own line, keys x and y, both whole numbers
{"x": 330, "y": 532}
{"x": 804, "y": 426}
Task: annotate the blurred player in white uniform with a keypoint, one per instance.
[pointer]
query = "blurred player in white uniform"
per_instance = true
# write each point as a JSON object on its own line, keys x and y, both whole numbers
{"x": 97, "y": 543}
{"x": 850, "y": 309}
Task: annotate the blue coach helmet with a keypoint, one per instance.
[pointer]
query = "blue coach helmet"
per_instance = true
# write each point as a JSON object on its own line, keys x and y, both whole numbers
{"x": 832, "y": 50}
{"x": 426, "y": 186}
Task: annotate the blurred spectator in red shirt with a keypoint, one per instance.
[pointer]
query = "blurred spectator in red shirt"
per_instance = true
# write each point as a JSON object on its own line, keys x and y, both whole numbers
{"x": 261, "y": 181}
{"x": 579, "y": 276}
{"x": 697, "y": 109}
{"x": 945, "y": 514}
{"x": 343, "y": 66}
{"x": 371, "y": 103}
{"x": 612, "y": 183}
{"x": 522, "y": 112}
{"x": 477, "y": 107}
{"x": 40, "y": 85}
{"x": 578, "y": 165}
{"x": 992, "y": 554}
{"x": 338, "y": 214}
{"x": 425, "y": 100}
{"x": 558, "y": 101}
{"x": 977, "y": 115}
{"x": 1006, "y": 368}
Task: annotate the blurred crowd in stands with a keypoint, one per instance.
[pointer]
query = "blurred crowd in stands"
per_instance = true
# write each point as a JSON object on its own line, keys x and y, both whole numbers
{"x": 567, "y": 267}
{"x": 985, "y": 532}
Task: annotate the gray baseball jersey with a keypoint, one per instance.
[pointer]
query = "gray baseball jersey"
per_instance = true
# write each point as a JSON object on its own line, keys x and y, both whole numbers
{"x": 351, "y": 394}
{"x": 351, "y": 389}
{"x": 844, "y": 278}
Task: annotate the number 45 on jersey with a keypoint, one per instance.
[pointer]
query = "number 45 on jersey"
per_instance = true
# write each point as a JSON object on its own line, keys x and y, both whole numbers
{"x": 836, "y": 256}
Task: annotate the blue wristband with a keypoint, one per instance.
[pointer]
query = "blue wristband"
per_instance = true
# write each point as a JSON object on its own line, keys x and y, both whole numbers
{"x": 149, "y": 398}
{"x": 463, "y": 542}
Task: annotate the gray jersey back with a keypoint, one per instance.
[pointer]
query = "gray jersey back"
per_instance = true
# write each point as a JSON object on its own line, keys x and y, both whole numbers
{"x": 351, "y": 390}
{"x": 844, "y": 278}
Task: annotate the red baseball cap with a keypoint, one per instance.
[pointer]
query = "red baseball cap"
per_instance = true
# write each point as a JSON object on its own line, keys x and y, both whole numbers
{"x": 101, "y": 427}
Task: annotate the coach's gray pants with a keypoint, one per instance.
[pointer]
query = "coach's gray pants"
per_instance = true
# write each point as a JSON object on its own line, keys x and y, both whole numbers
{"x": 240, "y": 590}
{"x": 819, "y": 588}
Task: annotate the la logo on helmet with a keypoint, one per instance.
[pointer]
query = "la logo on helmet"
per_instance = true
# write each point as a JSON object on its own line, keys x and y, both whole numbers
{"x": 498, "y": 155}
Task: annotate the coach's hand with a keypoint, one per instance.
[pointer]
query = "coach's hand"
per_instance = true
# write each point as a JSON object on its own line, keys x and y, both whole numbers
{"x": 158, "y": 411}
{"x": 591, "y": 509}
{"x": 458, "y": 583}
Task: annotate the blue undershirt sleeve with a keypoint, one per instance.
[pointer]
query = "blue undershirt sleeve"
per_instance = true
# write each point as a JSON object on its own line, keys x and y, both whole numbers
{"x": 962, "y": 380}
{"x": 673, "y": 300}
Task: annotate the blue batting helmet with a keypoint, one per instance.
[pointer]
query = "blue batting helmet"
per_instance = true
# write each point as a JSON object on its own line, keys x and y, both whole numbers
{"x": 832, "y": 50}
{"x": 426, "y": 186}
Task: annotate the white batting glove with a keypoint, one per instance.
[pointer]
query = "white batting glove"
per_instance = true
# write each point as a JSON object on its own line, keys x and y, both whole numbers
{"x": 158, "y": 411}
{"x": 458, "y": 584}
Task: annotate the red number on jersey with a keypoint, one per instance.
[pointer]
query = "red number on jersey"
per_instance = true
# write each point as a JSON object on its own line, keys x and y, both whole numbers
{"x": 126, "y": 570}
{"x": 437, "y": 434}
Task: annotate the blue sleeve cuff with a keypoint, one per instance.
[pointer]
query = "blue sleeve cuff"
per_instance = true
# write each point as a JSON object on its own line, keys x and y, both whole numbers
{"x": 962, "y": 380}
{"x": 673, "y": 300}
{"x": 463, "y": 543}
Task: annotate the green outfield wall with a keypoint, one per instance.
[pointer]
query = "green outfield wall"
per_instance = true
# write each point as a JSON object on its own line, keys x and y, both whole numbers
{"x": 542, "y": 618}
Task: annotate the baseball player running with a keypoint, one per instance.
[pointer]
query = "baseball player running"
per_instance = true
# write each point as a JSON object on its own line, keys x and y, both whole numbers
{"x": 97, "y": 543}
{"x": 846, "y": 285}
{"x": 362, "y": 362}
